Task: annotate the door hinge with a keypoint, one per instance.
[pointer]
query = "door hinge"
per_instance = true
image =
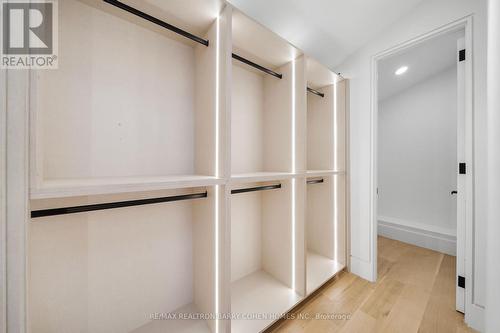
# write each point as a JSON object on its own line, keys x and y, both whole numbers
{"x": 461, "y": 55}
{"x": 461, "y": 281}
{"x": 462, "y": 168}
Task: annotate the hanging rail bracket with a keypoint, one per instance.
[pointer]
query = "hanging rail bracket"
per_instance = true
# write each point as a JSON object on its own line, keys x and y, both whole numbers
{"x": 157, "y": 21}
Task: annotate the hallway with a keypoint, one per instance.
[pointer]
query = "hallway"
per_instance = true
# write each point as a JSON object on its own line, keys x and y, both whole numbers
{"x": 415, "y": 292}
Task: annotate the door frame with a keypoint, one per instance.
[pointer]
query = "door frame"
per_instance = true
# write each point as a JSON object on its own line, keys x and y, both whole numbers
{"x": 472, "y": 310}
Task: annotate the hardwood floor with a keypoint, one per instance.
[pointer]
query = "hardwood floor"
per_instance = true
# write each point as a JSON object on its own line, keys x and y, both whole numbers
{"x": 415, "y": 292}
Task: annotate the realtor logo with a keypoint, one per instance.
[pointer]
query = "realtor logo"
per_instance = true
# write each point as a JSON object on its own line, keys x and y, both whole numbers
{"x": 29, "y": 34}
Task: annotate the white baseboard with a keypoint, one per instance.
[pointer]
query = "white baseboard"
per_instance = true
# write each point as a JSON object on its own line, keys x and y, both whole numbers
{"x": 416, "y": 234}
{"x": 362, "y": 268}
{"x": 474, "y": 317}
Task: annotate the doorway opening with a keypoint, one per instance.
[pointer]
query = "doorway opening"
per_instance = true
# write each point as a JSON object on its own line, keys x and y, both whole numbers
{"x": 422, "y": 154}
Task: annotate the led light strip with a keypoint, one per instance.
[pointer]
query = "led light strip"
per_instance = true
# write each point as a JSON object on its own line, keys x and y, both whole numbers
{"x": 293, "y": 179}
{"x": 217, "y": 78}
{"x": 335, "y": 167}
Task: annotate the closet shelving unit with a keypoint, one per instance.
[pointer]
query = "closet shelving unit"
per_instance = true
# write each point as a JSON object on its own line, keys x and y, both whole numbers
{"x": 261, "y": 103}
{"x": 120, "y": 132}
{"x": 131, "y": 106}
{"x": 325, "y": 203}
{"x": 263, "y": 224}
{"x": 261, "y": 253}
{"x": 111, "y": 269}
{"x": 325, "y": 229}
{"x": 180, "y": 165}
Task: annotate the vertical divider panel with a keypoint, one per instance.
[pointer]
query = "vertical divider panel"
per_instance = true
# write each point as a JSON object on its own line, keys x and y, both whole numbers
{"x": 36, "y": 147}
{"x": 225, "y": 270}
{"x": 339, "y": 130}
{"x": 206, "y": 103}
{"x": 206, "y": 240}
{"x": 16, "y": 194}
{"x": 339, "y": 183}
{"x": 300, "y": 167}
{"x": 300, "y": 250}
{"x": 300, "y": 115}
{"x": 341, "y": 164}
{"x": 204, "y": 244}
{"x": 224, "y": 241}
{"x": 347, "y": 193}
{"x": 225, "y": 90}
{"x": 341, "y": 180}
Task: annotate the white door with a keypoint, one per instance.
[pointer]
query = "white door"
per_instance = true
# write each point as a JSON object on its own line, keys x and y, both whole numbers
{"x": 461, "y": 193}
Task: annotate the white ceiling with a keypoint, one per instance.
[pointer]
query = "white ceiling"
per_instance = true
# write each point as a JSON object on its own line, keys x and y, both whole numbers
{"x": 328, "y": 30}
{"x": 423, "y": 61}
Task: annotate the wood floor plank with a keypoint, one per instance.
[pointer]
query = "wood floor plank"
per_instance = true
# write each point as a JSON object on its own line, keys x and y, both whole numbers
{"x": 359, "y": 323}
{"x": 348, "y": 295}
{"x": 440, "y": 314}
{"x": 417, "y": 267}
{"x": 415, "y": 292}
{"x": 344, "y": 282}
{"x": 381, "y": 301}
{"x": 352, "y": 296}
{"x": 407, "y": 312}
{"x": 391, "y": 249}
{"x": 384, "y": 266}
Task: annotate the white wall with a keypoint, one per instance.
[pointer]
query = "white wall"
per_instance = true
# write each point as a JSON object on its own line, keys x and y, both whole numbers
{"x": 493, "y": 296}
{"x": 417, "y": 154}
{"x": 427, "y": 16}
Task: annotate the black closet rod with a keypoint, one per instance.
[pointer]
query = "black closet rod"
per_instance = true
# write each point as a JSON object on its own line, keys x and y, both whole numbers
{"x": 111, "y": 205}
{"x": 315, "y": 181}
{"x": 315, "y": 92}
{"x": 157, "y": 21}
{"x": 258, "y": 188}
{"x": 259, "y": 67}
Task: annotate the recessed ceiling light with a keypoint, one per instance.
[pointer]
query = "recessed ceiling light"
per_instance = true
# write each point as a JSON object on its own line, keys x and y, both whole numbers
{"x": 401, "y": 70}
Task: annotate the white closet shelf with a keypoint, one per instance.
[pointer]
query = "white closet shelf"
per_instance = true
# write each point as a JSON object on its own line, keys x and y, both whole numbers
{"x": 320, "y": 269}
{"x": 184, "y": 325}
{"x": 259, "y": 293}
{"x": 319, "y": 173}
{"x": 59, "y": 188}
{"x": 260, "y": 177}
